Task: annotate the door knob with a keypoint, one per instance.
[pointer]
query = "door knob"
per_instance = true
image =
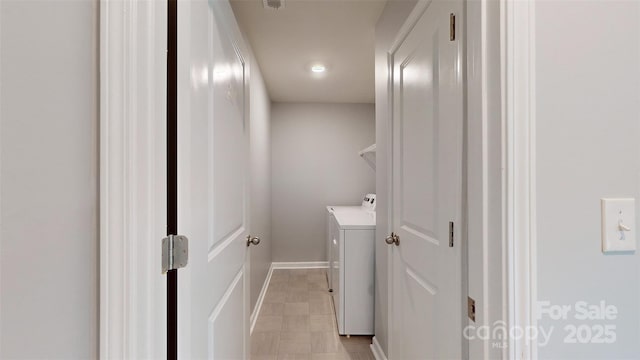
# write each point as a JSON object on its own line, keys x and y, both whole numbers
{"x": 393, "y": 239}
{"x": 389, "y": 239}
{"x": 252, "y": 240}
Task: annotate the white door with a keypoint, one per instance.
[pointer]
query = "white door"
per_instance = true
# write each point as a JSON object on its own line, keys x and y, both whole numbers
{"x": 426, "y": 280}
{"x": 213, "y": 186}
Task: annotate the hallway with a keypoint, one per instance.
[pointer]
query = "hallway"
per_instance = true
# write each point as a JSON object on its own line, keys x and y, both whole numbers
{"x": 297, "y": 321}
{"x": 170, "y": 173}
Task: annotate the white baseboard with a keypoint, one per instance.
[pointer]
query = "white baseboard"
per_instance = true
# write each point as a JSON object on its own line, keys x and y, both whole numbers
{"x": 258, "y": 306}
{"x": 376, "y": 349}
{"x": 301, "y": 265}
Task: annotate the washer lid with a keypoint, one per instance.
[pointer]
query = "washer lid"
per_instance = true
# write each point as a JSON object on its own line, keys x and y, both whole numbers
{"x": 335, "y": 209}
{"x": 356, "y": 219}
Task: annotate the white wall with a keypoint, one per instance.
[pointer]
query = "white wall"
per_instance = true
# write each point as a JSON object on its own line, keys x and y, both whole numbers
{"x": 587, "y": 109}
{"x": 260, "y": 144}
{"x": 49, "y": 179}
{"x": 392, "y": 18}
{"x": 315, "y": 163}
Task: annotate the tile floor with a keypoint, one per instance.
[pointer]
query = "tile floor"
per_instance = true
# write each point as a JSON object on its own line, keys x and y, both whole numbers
{"x": 297, "y": 321}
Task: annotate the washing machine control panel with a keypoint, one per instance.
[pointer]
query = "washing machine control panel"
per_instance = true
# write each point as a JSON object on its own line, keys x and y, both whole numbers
{"x": 369, "y": 202}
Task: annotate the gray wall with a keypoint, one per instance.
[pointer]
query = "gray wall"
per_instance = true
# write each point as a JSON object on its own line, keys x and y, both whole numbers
{"x": 391, "y": 19}
{"x": 260, "y": 135}
{"x": 588, "y": 147}
{"x": 315, "y": 163}
{"x": 49, "y": 179}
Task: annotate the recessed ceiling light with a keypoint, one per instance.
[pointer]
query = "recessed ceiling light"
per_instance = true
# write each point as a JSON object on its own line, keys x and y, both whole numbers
{"x": 318, "y": 68}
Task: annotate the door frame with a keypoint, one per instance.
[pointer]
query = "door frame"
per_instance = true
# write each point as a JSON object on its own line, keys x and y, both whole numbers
{"x": 133, "y": 168}
{"x": 519, "y": 212}
{"x": 133, "y": 188}
{"x": 133, "y": 181}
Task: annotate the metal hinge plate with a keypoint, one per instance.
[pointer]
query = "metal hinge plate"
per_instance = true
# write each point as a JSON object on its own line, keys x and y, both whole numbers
{"x": 471, "y": 308}
{"x": 451, "y": 233}
{"x": 452, "y": 27}
{"x": 175, "y": 252}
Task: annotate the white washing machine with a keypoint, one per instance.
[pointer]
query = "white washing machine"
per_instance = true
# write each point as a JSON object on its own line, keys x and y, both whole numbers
{"x": 351, "y": 270}
{"x": 368, "y": 205}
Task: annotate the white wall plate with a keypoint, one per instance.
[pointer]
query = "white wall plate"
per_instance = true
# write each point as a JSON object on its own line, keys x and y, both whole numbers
{"x": 618, "y": 225}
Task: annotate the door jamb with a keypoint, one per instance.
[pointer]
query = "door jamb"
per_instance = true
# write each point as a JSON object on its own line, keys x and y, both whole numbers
{"x": 519, "y": 162}
{"x": 132, "y": 178}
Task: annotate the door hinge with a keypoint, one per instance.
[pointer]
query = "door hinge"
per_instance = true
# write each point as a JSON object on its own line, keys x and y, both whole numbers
{"x": 175, "y": 252}
{"x": 452, "y": 27}
{"x": 471, "y": 308}
{"x": 451, "y": 233}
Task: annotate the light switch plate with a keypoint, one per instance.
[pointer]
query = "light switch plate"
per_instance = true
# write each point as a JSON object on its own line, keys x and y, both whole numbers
{"x": 618, "y": 215}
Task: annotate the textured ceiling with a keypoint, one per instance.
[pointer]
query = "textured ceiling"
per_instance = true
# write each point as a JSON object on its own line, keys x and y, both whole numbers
{"x": 337, "y": 33}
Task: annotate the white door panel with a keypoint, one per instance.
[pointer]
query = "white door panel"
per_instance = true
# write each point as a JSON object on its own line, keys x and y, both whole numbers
{"x": 427, "y": 188}
{"x": 213, "y": 183}
{"x": 223, "y": 343}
